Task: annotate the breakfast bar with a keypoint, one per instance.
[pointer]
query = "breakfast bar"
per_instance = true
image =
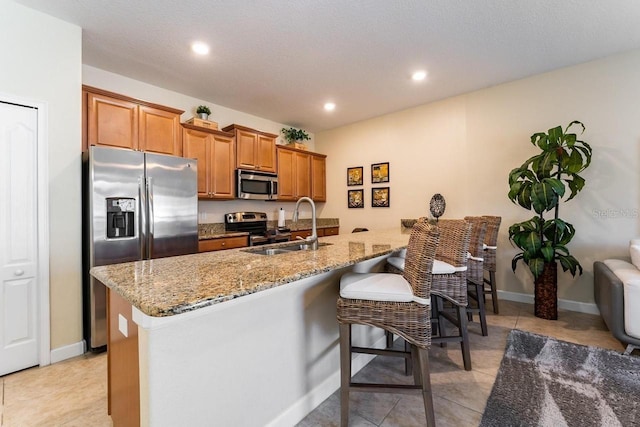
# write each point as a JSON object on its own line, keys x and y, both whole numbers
{"x": 235, "y": 337}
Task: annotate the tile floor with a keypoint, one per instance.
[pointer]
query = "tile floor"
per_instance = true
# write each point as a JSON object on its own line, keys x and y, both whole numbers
{"x": 73, "y": 392}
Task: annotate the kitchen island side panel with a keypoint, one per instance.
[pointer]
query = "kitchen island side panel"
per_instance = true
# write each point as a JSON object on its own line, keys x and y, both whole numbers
{"x": 263, "y": 359}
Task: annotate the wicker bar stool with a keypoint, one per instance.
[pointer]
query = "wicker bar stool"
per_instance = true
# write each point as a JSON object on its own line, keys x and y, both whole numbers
{"x": 489, "y": 264}
{"x": 475, "y": 270}
{"x": 395, "y": 303}
{"x": 449, "y": 283}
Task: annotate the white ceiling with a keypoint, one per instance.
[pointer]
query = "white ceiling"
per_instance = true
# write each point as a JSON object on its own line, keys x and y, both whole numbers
{"x": 283, "y": 59}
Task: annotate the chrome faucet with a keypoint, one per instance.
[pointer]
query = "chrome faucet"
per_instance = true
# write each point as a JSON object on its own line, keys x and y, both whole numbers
{"x": 313, "y": 239}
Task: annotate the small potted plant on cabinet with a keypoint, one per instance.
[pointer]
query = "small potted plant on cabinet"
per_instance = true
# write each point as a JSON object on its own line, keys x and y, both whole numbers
{"x": 203, "y": 111}
{"x": 295, "y": 137}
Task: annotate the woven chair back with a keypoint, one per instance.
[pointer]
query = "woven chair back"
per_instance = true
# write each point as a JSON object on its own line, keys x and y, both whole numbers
{"x": 455, "y": 235}
{"x": 493, "y": 225}
{"x": 479, "y": 226}
{"x": 421, "y": 251}
{"x": 475, "y": 268}
{"x": 491, "y": 239}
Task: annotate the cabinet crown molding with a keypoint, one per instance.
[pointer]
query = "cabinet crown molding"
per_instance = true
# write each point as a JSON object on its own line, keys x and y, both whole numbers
{"x": 129, "y": 99}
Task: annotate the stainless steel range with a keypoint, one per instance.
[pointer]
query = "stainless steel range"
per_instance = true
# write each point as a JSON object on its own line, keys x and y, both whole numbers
{"x": 255, "y": 223}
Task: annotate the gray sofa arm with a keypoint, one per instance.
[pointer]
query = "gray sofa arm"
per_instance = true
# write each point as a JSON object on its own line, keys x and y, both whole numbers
{"x": 609, "y": 295}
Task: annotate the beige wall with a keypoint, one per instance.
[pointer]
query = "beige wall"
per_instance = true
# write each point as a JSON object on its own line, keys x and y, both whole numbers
{"x": 464, "y": 148}
{"x": 41, "y": 59}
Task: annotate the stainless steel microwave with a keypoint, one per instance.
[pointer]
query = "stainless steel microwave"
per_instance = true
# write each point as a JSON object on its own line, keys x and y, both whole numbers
{"x": 256, "y": 185}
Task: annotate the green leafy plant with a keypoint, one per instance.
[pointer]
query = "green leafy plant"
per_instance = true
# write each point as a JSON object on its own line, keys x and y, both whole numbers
{"x": 539, "y": 184}
{"x": 203, "y": 109}
{"x": 293, "y": 134}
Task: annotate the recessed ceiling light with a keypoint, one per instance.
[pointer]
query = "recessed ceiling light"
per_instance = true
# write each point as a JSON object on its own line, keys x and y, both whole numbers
{"x": 419, "y": 76}
{"x": 200, "y": 48}
{"x": 329, "y": 106}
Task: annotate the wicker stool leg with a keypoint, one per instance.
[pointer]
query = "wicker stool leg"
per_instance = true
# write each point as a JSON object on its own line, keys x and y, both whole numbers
{"x": 408, "y": 365}
{"x": 389, "y": 336}
{"x": 425, "y": 381}
{"x": 345, "y": 372}
{"x": 464, "y": 343}
{"x": 481, "y": 308}
{"x": 494, "y": 292}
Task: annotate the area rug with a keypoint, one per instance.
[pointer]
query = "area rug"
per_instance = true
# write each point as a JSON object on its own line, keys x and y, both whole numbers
{"x": 546, "y": 382}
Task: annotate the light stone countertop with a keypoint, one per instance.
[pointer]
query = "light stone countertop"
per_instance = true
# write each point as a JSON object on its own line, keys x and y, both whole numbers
{"x": 169, "y": 286}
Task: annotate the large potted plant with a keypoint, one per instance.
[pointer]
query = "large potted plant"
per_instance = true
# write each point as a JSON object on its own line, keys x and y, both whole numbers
{"x": 539, "y": 185}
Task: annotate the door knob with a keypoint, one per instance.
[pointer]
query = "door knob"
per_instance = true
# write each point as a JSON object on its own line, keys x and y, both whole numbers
{"x": 18, "y": 272}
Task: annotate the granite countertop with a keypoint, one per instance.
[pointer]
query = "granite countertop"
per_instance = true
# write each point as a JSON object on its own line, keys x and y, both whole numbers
{"x": 169, "y": 286}
{"x": 216, "y": 230}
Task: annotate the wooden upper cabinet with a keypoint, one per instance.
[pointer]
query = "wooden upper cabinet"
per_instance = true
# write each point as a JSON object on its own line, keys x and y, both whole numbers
{"x": 266, "y": 153}
{"x": 296, "y": 174}
{"x": 319, "y": 177}
{"x": 195, "y": 146}
{"x": 112, "y": 122}
{"x": 215, "y": 153}
{"x": 303, "y": 174}
{"x": 160, "y": 131}
{"x": 115, "y": 120}
{"x": 222, "y": 175}
{"x": 246, "y": 144}
{"x": 286, "y": 174}
{"x": 255, "y": 150}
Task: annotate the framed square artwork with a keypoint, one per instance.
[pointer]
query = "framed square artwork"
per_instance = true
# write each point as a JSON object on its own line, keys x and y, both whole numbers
{"x": 379, "y": 173}
{"x": 355, "y": 175}
{"x": 380, "y": 197}
{"x": 355, "y": 198}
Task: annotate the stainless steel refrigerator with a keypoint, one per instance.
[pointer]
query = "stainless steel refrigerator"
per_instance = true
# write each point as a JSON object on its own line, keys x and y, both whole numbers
{"x": 137, "y": 206}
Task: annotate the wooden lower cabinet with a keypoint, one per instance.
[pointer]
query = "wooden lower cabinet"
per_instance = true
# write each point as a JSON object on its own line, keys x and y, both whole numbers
{"x": 223, "y": 243}
{"x": 330, "y": 231}
{"x": 123, "y": 379}
{"x": 322, "y": 232}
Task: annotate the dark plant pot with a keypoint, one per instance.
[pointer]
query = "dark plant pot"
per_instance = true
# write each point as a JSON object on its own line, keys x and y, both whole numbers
{"x": 546, "y": 293}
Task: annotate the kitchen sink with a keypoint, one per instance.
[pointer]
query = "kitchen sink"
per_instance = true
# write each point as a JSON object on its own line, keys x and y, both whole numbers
{"x": 283, "y": 249}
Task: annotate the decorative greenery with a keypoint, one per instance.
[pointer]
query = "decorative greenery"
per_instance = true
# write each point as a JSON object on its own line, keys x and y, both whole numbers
{"x": 539, "y": 185}
{"x": 293, "y": 134}
{"x": 203, "y": 109}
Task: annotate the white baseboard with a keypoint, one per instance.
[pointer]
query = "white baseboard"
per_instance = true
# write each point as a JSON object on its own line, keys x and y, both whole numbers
{"x": 296, "y": 412}
{"x": 67, "y": 352}
{"x": 580, "y": 307}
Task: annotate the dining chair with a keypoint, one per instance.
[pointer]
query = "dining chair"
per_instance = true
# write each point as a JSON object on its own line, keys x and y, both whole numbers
{"x": 396, "y": 303}
{"x": 475, "y": 271}
{"x": 489, "y": 263}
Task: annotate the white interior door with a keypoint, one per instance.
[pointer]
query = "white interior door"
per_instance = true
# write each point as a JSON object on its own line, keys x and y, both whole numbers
{"x": 19, "y": 326}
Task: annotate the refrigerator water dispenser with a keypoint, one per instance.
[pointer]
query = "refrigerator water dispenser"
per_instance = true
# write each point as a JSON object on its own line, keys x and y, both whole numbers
{"x": 120, "y": 217}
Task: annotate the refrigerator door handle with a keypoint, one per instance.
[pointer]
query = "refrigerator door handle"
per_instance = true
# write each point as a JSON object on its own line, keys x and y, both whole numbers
{"x": 150, "y": 217}
{"x": 142, "y": 222}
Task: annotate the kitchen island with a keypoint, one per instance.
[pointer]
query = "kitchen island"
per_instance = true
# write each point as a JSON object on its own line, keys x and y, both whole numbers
{"x": 233, "y": 337}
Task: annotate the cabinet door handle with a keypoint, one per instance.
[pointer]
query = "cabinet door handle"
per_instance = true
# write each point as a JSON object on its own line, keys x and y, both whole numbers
{"x": 18, "y": 272}
{"x": 224, "y": 243}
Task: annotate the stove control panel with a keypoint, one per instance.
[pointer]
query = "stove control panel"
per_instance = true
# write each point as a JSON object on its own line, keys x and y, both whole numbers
{"x": 244, "y": 217}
